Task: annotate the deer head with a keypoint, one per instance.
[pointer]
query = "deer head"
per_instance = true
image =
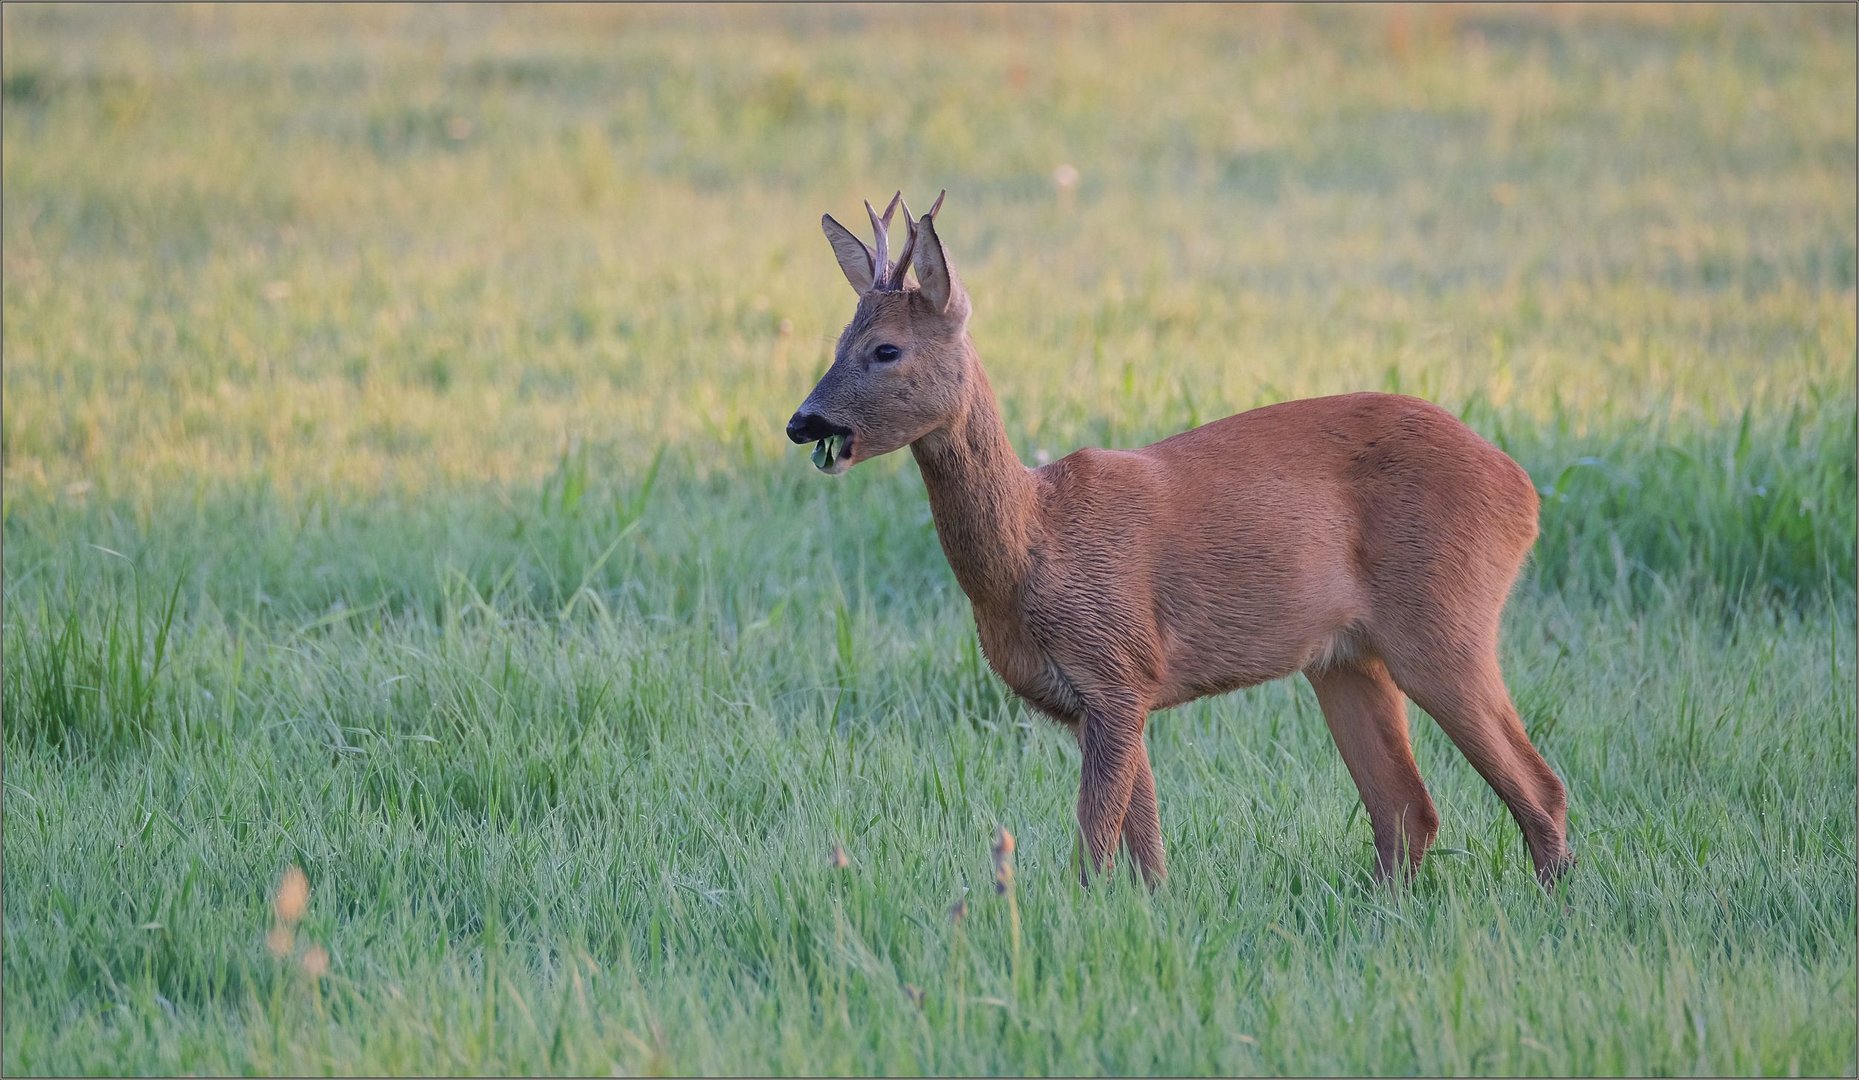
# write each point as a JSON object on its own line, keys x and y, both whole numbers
{"x": 902, "y": 363}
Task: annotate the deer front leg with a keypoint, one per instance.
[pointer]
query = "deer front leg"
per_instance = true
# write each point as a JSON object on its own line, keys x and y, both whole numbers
{"x": 1142, "y": 823}
{"x": 1111, "y": 741}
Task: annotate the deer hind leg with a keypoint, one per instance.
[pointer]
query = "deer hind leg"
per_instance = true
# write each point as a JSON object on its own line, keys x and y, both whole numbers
{"x": 1368, "y": 720}
{"x": 1463, "y": 690}
{"x": 1111, "y": 741}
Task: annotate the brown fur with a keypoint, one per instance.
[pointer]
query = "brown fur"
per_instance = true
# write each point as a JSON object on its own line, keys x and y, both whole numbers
{"x": 1366, "y": 540}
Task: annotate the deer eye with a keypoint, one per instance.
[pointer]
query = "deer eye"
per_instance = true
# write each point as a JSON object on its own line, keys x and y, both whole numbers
{"x": 886, "y": 354}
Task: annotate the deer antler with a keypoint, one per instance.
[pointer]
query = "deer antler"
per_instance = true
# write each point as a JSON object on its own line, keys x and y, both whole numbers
{"x": 910, "y": 244}
{"x": 880, "y": 260}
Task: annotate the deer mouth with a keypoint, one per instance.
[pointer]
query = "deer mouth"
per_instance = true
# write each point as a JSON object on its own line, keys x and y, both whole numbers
{"x": 833, "y": 454}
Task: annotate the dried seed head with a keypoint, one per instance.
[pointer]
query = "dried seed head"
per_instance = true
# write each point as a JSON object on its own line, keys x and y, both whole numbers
{"x": 293, "y": 896}
{"x": 840, "y": 860}
{"x": 280, "y": 941}
{"x": 316, "y": 961}
{"x": 915, "y": 994}
{"x": 1003, "y": 860}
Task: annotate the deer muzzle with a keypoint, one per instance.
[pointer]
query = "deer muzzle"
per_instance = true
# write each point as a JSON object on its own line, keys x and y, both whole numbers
{"x": 833, "y": 441}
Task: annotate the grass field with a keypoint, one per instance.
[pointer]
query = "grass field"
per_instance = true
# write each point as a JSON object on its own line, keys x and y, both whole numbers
{"x": 395, "y": 487}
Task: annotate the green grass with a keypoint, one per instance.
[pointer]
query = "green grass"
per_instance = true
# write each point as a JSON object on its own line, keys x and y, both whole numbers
{"x": 395, "y": 487}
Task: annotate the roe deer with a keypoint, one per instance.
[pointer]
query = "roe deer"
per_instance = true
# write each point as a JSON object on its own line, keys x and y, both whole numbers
{"x": 1367, "y": 540}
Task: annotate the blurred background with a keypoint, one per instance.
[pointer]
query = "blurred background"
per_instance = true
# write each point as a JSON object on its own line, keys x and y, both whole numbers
{"x": 395, "y": 486}
{"x": 365, "y": 249}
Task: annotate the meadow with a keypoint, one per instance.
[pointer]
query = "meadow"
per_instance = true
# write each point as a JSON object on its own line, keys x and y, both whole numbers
{"x": 395, "y": 488}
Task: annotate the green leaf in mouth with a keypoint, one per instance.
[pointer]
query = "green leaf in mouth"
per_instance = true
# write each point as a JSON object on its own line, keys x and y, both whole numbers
{"x": 829, "y": 450}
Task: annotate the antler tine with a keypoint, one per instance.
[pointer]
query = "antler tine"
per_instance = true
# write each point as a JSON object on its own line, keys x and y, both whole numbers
{"x": 882, "y": 226}
{"x": 882, "y": 253}
{"x": 910, "y": 244}
{"x": 938, "y": 206}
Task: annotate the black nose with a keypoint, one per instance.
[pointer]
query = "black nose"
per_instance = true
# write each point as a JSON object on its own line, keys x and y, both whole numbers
{"x": 809, "y": 427}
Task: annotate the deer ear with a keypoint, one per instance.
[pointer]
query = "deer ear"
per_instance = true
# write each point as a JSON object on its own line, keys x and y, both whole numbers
{"x": 855, "y": 259}
{"x": 934, "y": 276}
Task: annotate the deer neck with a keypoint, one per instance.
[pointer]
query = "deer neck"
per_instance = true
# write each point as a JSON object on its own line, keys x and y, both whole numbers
{"x": 980, "y": 495}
